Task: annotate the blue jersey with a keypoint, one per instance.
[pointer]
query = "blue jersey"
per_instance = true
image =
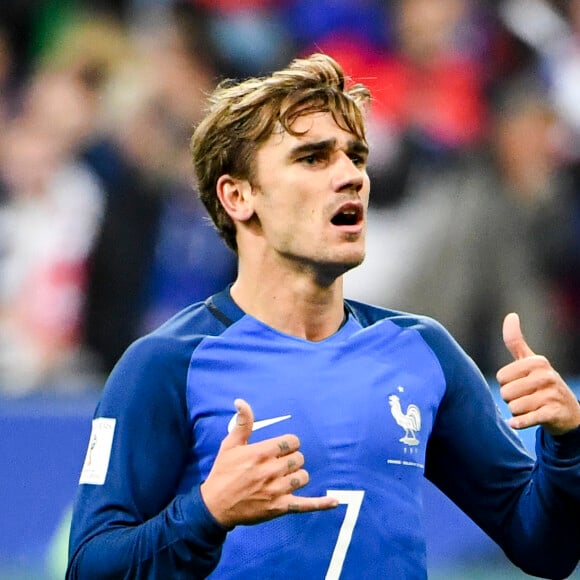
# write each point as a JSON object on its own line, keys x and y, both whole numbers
{"x": 386, "y": 400}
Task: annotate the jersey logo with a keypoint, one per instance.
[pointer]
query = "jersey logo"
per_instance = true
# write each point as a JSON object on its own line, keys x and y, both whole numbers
{"x": 258, "y": 424}
{"x": 410, "y": 421}
{"x": 96, "y": 462}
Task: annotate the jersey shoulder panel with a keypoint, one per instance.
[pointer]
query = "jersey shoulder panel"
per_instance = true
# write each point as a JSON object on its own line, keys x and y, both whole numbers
{"x": 461, "y": 375}
{"x": 432, "y": 332}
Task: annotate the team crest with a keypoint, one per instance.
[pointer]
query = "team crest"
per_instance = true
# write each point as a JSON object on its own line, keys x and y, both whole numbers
{"x": 410, "y": 420}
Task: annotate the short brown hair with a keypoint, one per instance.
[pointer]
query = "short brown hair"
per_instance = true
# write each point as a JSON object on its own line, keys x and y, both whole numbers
{"x": 242, "y": 115}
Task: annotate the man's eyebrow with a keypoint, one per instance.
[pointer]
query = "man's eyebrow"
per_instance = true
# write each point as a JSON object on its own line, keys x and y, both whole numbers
{"x": 313, "y": 147}
{"x": 353, "y": 146}
{"x": 359, "y": 147}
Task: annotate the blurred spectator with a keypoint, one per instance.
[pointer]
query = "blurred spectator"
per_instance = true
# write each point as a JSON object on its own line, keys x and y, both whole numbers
{"x": 555, "y": 38}
{"x": 552, "y": 30}
{"x": 157, "y": 253}
{"x": 250, "y": 37}
{"x": 48, "y": 221}
{"x": 431, "y": 84}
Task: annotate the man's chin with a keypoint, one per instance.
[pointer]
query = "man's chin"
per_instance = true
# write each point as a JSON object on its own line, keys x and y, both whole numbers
{"x": 336, "y": 269}
{"x": 353, "y": 259}
{"x": 353, "y": 264}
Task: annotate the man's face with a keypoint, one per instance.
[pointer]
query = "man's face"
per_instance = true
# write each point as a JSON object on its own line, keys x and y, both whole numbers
{"x": 312, "y": 194}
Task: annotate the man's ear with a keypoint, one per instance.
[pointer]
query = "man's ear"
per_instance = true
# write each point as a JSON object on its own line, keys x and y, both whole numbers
{"x": 236, "y": 197}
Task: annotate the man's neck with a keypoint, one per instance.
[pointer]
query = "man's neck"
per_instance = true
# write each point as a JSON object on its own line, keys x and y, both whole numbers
{"x": 296, "y": 306}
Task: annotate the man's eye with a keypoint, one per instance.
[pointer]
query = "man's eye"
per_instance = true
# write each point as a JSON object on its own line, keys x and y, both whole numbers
{"x": 358, "y": 160}
{"x": 310, "y": 159}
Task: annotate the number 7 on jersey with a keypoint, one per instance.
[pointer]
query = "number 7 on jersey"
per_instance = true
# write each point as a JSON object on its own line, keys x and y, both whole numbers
{"x": 353, "y": 500}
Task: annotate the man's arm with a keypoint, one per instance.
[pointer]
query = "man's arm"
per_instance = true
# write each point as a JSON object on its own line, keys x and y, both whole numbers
{"x": 476, "y": 459}
{"x": 133, "y": 525}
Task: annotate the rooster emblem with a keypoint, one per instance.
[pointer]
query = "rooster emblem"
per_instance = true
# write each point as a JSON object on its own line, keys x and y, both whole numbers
{"x": 409, "y": 421}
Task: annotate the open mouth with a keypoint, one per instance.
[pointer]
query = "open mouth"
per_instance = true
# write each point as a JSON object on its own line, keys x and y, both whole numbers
{"x": 348, "y": 215}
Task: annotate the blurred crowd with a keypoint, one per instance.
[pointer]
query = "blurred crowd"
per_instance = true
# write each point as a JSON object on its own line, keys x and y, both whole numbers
{"x": 475, "y": 166}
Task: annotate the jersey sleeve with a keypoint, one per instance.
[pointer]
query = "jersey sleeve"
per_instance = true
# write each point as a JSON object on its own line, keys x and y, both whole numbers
{"x": 134, "y": 525}
{"x": 529, "y": 508}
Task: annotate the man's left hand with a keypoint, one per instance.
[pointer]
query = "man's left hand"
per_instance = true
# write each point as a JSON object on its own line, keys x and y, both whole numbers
{"x": 535, "y": 393}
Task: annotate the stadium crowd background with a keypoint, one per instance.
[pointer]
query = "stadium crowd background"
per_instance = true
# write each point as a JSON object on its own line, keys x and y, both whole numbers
{"x": 475, "y": 137}
{"x": 475, "y": 134}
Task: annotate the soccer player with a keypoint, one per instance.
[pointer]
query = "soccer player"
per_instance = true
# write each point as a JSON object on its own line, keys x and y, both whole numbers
{"x": 277, "y": 430}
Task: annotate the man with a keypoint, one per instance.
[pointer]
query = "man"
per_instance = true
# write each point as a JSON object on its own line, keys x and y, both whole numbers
{"x": 368, "y": 400}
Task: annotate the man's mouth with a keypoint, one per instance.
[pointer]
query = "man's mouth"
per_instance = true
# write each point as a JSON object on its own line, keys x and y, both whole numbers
{"x": 350, "y": 214}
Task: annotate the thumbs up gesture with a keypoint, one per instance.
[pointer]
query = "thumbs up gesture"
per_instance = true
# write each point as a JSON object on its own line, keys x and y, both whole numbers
{"x": 254, "y": 482}
{"x": 535, "y": 393}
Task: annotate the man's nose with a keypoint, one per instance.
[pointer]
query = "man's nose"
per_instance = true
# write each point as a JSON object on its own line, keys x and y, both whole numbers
{"x": 347, "y": 175}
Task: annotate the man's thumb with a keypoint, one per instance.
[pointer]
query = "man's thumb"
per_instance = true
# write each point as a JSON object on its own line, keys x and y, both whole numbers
{"x": 513, "y": 337}
{"x": 240, "y": 427}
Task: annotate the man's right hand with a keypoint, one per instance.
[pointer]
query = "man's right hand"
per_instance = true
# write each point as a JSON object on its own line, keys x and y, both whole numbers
{"x": 253, "y": 483}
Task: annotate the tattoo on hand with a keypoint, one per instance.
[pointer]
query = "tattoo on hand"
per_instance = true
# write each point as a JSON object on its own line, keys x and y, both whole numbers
{"x": 293, "y": 508}
{"x": 283, "y": 446}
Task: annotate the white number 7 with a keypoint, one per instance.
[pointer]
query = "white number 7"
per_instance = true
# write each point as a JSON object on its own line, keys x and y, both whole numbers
{"x": 353, "y": 500}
